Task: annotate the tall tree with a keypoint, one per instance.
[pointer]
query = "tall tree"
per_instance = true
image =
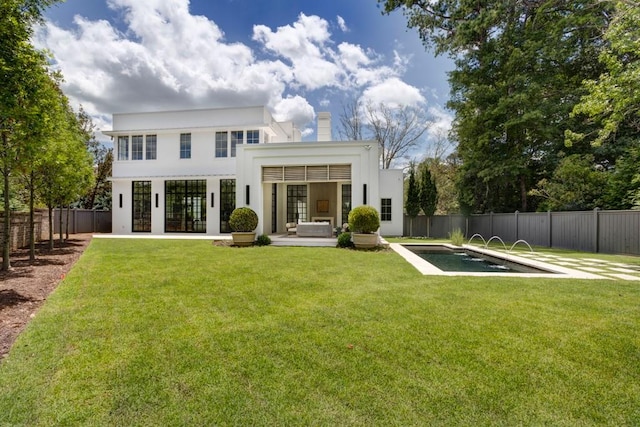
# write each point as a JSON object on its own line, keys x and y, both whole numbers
{"x": 412, "y": 204}
{"x": 398, "y": 129}
{"x": 613, "y": 98}
{"x": 22, "y": 71}
{"x": 519, "y": 68}
{"x": 428, "y": 195}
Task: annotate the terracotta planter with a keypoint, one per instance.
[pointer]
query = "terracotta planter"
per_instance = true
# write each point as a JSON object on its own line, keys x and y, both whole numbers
{"x": 243, "y": 238}
{"x": 365, "y": 241}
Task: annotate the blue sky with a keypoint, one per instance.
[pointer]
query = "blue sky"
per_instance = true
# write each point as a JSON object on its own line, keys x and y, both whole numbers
{"x": 296, "y": 57}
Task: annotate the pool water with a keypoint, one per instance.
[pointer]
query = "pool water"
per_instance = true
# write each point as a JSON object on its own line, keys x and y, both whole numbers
{"x": 468, "y": 261}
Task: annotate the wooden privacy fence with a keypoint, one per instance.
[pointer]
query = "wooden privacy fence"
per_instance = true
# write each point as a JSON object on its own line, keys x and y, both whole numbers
{"x": 82, "y": 221}
{"x": 614, "y": 232}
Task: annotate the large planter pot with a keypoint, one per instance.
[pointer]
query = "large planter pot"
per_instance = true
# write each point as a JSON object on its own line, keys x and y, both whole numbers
{"x": 243, "y": 238}
{"x": 364, "y": 241}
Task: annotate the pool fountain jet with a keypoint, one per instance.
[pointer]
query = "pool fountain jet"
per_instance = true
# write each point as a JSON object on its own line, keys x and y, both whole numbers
{"x": 477, "y": 235}
{"x": 486, "y": 245}
{"x": 521, "y": 241}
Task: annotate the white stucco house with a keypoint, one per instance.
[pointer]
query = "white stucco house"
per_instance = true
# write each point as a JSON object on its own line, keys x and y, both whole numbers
{"x": 185, "y": 172}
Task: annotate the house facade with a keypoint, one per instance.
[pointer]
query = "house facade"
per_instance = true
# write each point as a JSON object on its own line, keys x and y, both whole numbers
{"x": 185, "y": 171}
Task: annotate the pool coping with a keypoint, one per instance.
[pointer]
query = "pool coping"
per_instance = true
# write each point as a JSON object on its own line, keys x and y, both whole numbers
{"x": 426, "y": 268}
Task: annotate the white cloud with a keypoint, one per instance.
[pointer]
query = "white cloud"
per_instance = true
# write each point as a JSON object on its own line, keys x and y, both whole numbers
{"x": 441, "y": 124}
{"x": 167, "y": 58}
{"x": 342, "y": 24}
{"x": 393, "y": 92}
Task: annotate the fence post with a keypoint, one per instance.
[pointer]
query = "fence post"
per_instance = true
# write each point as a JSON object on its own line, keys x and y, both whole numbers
{"x": 516, "y": 214}
{"x": 490, "y": 224}
{"x": 596, "y": 226}
{"x": 549, "y": 232}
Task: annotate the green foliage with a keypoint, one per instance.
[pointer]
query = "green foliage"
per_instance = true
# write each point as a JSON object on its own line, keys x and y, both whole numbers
{"x": 428, "y": 192}
{"x": 457, "y": 237}
{"x": 364, "y": 219}
{"x": 344, "y": 240}
{"x": 412, "y": 204}
{"x": 614, "y": 97}
{"x": 577, "y": 184}
{"x": 243, "y": 220}
{"x": 263, "y": 240}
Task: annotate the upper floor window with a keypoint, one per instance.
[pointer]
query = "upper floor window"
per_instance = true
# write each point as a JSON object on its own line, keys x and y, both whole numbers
{"x": 152, "y": 147}
{"x": 236, "y": 138}
{"x": 221, "y": 144}
{"x": 136, "y": 147}
{"x": 123, "y": 148}
{"x": 385, "y": 210}
{"x": 185, "y": 145}
{"x": 253, "y": 136}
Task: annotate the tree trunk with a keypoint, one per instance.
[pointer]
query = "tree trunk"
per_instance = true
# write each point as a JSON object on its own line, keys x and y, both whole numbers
{"x": 67, "y": 225}
{"x": 50, "y": 227}
{"x": 60, "y": 223}
{"x": 6, "y": 238}
{"x": 32, "y": 225}
{"x": 523, "y": 193}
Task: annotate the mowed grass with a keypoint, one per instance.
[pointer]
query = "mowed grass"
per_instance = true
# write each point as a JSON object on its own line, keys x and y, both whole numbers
{"x": 156, "y": 332}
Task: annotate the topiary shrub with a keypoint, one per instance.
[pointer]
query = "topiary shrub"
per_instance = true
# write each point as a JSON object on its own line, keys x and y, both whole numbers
{"x": 364, "y": 219}
{"x": 263, "y": 240}
{"x": 344, "y": 240}
{"x": 243, "y": 220}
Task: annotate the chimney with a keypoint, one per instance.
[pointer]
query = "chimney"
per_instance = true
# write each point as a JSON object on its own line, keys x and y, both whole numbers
{"x": 324, "y": 126}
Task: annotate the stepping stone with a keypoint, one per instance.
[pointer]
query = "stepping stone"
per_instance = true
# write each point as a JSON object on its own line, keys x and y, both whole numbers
{"x": 624, "y": 270}
{"x": 573, "y": 260}
{"x": 592, "y": 269}
{"x": 601, "y": 261}
{"x": 626, "y": 277}
{"x": 572, "y": 264}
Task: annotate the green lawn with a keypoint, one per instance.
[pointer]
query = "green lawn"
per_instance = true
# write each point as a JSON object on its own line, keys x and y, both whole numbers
{"x": 156, "y": 332}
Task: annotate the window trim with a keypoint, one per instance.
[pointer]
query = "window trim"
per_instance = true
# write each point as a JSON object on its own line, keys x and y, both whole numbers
{"x": 386, "y": 209}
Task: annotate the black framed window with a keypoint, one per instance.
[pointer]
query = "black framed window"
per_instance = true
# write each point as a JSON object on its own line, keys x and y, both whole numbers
{"x": 123, "y": 148}
{"x": 346, "y": 202}
{"x": 185, "y": 206}
{"x": 253, "y": 136}
{"x": 236, "y": 138}
{"x": 152, "y": 147}
{"x": 137, "y": 145}
{"x": 385, "y": 210}
{"x": 227, "y": 203}
{"x": 221, "y": 144}
{"x": 141, "y": 206}
{"x": 296, "y": 203}
{"x": 185, "y": 145}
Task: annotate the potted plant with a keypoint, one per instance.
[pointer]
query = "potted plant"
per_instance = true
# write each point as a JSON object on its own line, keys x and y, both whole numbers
{"x": 243, "y": 222}
{"x": 364, "y": 221}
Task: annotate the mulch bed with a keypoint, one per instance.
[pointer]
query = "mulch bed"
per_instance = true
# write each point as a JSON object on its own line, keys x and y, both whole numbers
{"x": 25, "y": 287}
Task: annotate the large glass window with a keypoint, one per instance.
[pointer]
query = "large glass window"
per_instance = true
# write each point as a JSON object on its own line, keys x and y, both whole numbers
{"x": 185, "y": 145}
{"x": 296, "y": 203}
{"x": 136, "y": 147}
{"x": 385, "y": 210}
{"x": 346, "y": 202}
{"x": 221, "y": 144}
{"x": 141, "y": 206}
{"x": 253, "y": 136}
{"x": 152, "y": 147}
{"x": 236, "y": 138}
{"x": 186, "y": 206}
{"x": 123, "y": 148}
{"x": 227, "y": 203}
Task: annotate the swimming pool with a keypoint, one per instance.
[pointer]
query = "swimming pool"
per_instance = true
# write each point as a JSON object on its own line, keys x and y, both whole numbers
{"x": 467, "y": 260}
{"x": 414, "y": 253}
